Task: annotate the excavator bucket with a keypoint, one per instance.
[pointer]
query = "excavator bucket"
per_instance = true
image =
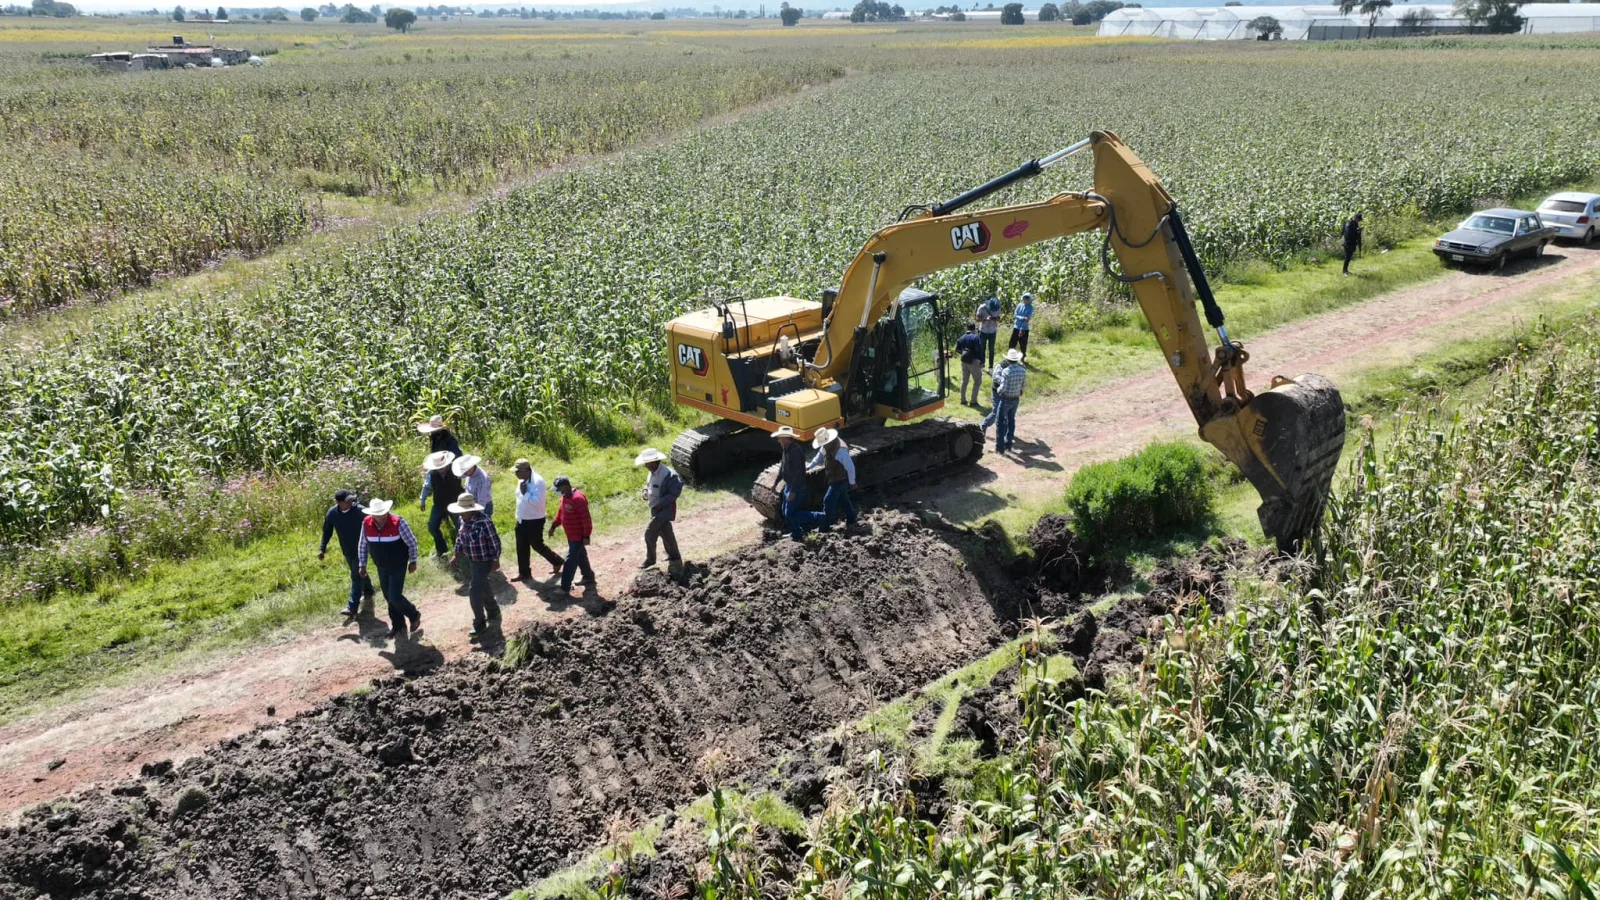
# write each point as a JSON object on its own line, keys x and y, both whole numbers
{"x": 1293, "y": 433}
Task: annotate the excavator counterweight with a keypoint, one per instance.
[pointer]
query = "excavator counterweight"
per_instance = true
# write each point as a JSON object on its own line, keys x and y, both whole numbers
{"x": 874, "y": 351}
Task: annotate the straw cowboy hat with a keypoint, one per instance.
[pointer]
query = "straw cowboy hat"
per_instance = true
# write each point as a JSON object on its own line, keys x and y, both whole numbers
{"x": 649, "y": 455}
{"x": 434, "y": 424}
{"x": 433, "y": 462}
{"x": 464, "y": 504}
{"x": 376, "y": 507}
{"x": 1013, "y": 355}
{"x": 824, "y": 437}
{"x": 465, "y": 464}
{"x": 785, "y": 431}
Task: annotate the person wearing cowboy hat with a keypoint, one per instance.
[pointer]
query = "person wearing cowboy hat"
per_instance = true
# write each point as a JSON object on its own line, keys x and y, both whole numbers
{"x": 387, "y": 540}
{"x": 444, "y": 486}
{"x": 1010, "y": 377}
{"x": 661, "y": 489}
{"x": 344, "y": 517}
{"x": 530, "y": 522}
{"x": 479, "y": 542}
{"x": 792, "y": 477}
{"x": 439, "y": 436}
{"x": 476, "y": 479}
{"x": 573, "y": 517}
{"x": 1022, "y": 317}
{"x": 833, "y": 455}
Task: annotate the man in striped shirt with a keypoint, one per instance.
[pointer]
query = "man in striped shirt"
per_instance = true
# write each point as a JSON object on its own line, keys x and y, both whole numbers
{"x": 479, "y": 542}
{"x": 388, "y": 541}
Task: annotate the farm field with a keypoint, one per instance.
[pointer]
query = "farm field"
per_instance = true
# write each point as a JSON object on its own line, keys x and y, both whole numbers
{"x": 538, "y": 315}
{"x": 1398, "y": 711}
{"x": 115, "y": 180}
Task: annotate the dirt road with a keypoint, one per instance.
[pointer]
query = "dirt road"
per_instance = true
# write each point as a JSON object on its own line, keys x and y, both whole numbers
{"x": 110, "y": 735}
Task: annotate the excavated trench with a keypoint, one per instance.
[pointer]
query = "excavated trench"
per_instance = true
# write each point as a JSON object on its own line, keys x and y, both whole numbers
{"x": 481, "y": 778}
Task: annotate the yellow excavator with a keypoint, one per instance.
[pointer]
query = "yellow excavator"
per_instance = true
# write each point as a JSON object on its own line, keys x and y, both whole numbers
{"x": 873, "y": 350}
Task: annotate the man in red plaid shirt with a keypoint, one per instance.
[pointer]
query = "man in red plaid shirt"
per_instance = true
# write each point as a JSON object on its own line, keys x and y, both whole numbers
{"x": 479, "y": 542}
{"x": 573, "y": 517}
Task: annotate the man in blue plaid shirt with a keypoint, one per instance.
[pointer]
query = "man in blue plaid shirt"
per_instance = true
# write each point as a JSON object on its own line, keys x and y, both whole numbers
{"x": 479, "y": 542}
{"x": 1010, "y": 378}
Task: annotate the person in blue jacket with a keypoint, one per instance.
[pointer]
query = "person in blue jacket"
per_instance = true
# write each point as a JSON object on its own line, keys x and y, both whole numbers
{"x": 344, "y": 519}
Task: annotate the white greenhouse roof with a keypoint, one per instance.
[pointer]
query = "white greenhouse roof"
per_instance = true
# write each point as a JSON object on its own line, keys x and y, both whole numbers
{"x": 1231, "y": 22}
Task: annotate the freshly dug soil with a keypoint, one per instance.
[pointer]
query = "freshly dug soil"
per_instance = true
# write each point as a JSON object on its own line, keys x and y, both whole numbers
{"x": 479, "y": 779}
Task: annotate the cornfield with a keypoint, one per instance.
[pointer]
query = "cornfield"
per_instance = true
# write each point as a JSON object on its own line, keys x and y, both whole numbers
{"x": 110, "y": 181}
{"x": 1414, "y": 720}
{"x": 543, "y": 310}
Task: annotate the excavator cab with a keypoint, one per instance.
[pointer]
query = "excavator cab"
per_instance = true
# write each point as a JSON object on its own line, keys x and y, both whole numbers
{"x": 906, "y": 359}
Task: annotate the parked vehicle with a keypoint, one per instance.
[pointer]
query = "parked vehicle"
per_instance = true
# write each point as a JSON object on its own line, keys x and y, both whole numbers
{"x": 1493, "y": 236}
{"x": 1573, "y": 215}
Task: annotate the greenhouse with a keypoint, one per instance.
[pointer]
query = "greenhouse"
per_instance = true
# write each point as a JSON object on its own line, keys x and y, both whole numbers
{"x": 1300, "y": 23}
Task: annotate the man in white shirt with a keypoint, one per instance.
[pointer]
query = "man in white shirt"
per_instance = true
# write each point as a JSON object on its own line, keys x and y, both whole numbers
{"x": 530, "y": 522}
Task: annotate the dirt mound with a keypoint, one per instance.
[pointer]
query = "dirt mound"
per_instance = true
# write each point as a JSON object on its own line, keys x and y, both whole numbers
{"x": 479, "y": 779}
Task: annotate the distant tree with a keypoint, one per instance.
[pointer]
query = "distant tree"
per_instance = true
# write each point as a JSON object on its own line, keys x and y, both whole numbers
{"x": 875, "y": 11}
{"x": 353, "y": 16}
{"x": 222, "y": 15}
{"x": 1417, "y": 21}
{"x": 177, "y": 14}
{"x": 400, "y": 20}
{"x": 52, "y": 8}
{"x": 1493, "y": 16}
{"x": 1265, "y": 28}
{"x": 1093, "y": 11}
{"x": 1049, "y": 12}
{"x": 1233, "y": 3}
{"x": 376, "y": 10}
{"x": 659, "y": 16}
{"x": 1011, "y": 14}
{"x": 1372, "y": 9}
{"x": 959, "y": 16}
{"x": 308, "y": 15}
{"x": 789, "y": 14}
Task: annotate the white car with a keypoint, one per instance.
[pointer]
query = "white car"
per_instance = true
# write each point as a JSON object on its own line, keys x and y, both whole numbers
{"x": 1573, "y": 215}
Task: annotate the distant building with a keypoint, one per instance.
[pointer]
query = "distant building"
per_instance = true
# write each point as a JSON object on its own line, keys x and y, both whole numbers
{"x": 177, "y": 55}
{"x": 1321, "y": 23}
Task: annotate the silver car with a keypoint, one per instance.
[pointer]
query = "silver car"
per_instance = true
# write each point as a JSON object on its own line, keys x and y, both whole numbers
{"x": 1573, "y": 215}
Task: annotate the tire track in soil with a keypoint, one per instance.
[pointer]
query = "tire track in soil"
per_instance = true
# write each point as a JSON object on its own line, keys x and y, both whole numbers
{"x": 110, "y": 735}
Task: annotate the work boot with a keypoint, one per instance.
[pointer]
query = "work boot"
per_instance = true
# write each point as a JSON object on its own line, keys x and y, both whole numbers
{"x": 648, "y": 564}
{"x": 416, "y": 622}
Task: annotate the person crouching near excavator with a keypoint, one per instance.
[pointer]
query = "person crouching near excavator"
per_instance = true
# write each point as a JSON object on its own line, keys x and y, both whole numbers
{"x": 833, "y": 455}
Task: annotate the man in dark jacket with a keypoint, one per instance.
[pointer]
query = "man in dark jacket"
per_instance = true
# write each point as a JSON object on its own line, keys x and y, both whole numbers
{"x": 1352, "y": 240}
{"x": 344, "y": 518}
{"x": 439, "y": 436}
{"x": 970, "y": 348}
{"x": 792, "y": 477}
{"x": 440, "y": 482}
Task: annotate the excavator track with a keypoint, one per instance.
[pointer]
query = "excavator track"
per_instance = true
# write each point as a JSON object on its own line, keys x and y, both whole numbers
{"x": 701, "y": 454}
{"x": 884, "y": 456}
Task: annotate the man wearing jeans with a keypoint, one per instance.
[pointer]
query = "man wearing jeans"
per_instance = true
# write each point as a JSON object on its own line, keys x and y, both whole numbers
{"x": 792, "y": 477}
{"x": 479, "y": 542}
{"x": 439, "y": 482}
{"x": 573, "y": 517}
{"x": 388, "y": 541}
{"x": 476, "y": 481}
{"x": 661, "y": 490}
{"x": 530, "y": 521}
{"x": 345, "y": 517}
{"x": 1010, "y": 377}
{"x": 833, "y": 455}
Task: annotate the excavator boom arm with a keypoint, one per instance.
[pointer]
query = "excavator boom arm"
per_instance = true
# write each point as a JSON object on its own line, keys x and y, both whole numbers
{"x": 1287, "y": 441}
